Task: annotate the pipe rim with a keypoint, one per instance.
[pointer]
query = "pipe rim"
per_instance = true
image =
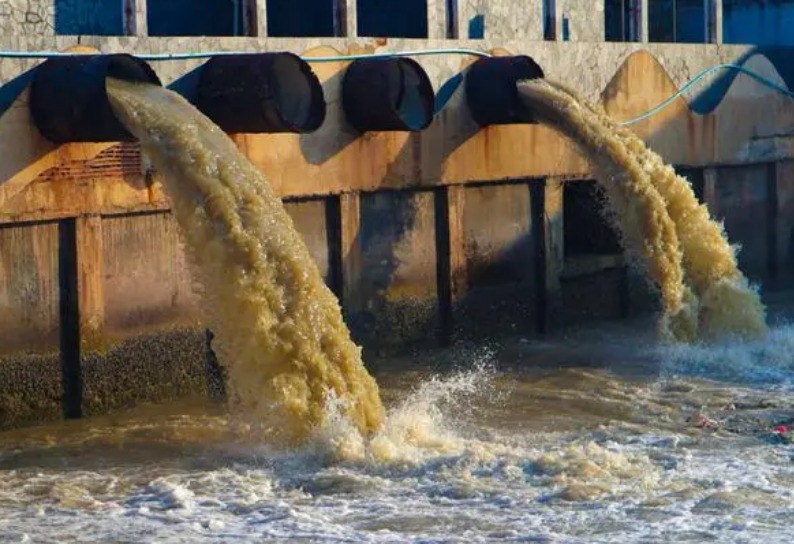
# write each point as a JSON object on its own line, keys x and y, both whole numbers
{"x": 282, "y": 91}
{"x": 407, "y": 103}
{"x": 81, "y": 110}
{"x": 492, "y": 89}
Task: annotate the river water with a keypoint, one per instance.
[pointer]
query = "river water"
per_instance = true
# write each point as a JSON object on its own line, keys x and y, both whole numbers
{"x": 598, "y": 435}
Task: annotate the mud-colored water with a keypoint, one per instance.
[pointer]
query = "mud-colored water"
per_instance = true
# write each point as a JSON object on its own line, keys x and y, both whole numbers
{"x": 591, "y": 437}
{"x": 278, "y": 328}
{"x": 686, "y": 253}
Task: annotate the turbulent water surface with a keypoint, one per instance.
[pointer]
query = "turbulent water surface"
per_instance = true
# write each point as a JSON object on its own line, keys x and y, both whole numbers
{"x": 594, "y": 437}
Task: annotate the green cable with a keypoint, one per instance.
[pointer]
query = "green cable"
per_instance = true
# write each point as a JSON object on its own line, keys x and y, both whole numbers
{"x": 695, "y": 80}
{"x": 187, "y": 56}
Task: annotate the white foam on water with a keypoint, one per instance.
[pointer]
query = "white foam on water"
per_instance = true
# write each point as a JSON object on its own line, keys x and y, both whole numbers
{"x": 766, "y": 360}
{"x": 436, "y": 473}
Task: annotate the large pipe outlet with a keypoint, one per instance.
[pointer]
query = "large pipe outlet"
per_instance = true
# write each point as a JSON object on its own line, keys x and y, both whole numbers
{"x": 261, "y": 93}
{"x": 492, "y": 90}
{"x": 68, "y": 100}
{"x": 392, "y": 94}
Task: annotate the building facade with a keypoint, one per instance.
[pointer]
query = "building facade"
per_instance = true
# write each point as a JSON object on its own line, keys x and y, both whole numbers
{"x": 764, "y": 22}
{"x": 457, "y": 229}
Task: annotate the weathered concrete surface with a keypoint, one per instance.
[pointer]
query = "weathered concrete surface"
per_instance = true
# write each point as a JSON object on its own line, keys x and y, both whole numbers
{"x": 553, "y": 252}
{"x": 785, "y": 223}
{"x": 137, "y": 291}
{"x": 28, "y": 17}
{"x": 310, "y": 218}
{"x": 30, "y": 363}
{"x": 501, "y": 19}
{"x": 396, "y": 290}
{"x": 29, "y": 291}
{"x": 749, "y": 125}
{"x": 741, "y": 202}
{"x": 584, "y": 20}
{"x": 147, "y": 283}
{"x": 497, "y": 294}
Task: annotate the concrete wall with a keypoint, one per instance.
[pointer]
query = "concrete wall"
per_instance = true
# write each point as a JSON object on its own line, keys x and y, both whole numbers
{"x": 31, "y": 387}
{"x": 581, "y": 20}
{"x": 500, "y": 19}
{"x": 146, "y": 282}
{"x": 753, "y": 22}
{"x": 493, "y": 19}
{"x": 393, "y": 300}
{"x": 311, "y": 218}
{"x": 30, "y": 294}
{"x": 784, "y": 219}
{"x": 456, "y": 229}
{"x": 27, "y": 17}
{"x": 498, "y": 261}
{"x": 741, "y": 199}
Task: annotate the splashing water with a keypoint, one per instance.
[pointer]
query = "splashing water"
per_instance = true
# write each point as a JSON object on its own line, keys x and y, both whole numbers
{"x": 726, "y": 302}
{"x": 579, "y": 454}
{"x": 279, "y": 328}
{"x": 687, "y": 255}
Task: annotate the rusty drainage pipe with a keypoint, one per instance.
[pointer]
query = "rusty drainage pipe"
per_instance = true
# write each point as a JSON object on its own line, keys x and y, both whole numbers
{"x": 492, "y": 91}
{"x": 387, "y": 94}
{"x": 261, "y": 93}
{"x": 68, "y": 101}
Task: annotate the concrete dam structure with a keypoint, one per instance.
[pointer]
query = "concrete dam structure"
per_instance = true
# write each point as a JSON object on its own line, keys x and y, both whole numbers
{"x": 433, "y": 204}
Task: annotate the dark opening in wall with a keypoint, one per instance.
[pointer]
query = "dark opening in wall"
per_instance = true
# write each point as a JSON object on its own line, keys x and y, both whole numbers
{"x": 622, "y": 20}
{"x": 196, "y": 18}
{"x": 763, "y": 22}
{"x": 677, "y": 21}
{"x": 477, "y": 27}
{"x": 452, "y": 19}
{"x": 93, "y": 17}
{"x": 549, "y": 15}
{"x": 303, "y": 18}
{"x": 587, "y": 229}
{"x": 392, "y": 18}
{"x": 595, "y": 278}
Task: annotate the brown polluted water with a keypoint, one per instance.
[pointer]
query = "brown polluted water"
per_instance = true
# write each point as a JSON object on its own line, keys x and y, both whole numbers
{"x": 279, "y": 329}
{"x": 685, "y": 252}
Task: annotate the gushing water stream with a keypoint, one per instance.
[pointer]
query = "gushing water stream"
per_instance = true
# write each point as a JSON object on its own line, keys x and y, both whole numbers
{"x": 686, "y": 253}
{"x": 279, "y": 329}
